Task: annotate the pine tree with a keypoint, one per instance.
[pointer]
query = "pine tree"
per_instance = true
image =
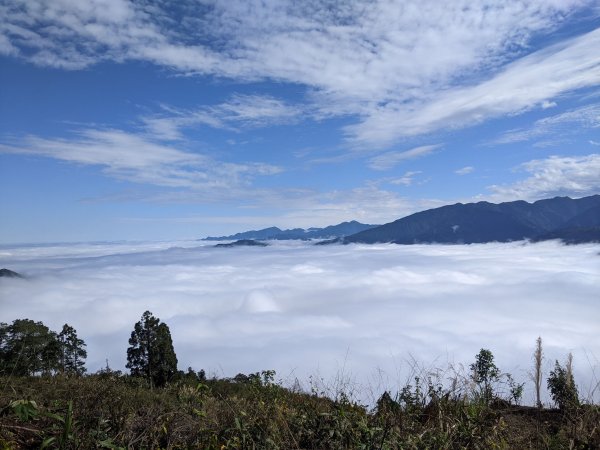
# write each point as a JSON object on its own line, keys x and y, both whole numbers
{"x": 166, "y": 360}
{"x": 72, "y": 351}
{"x": 151, "y": 354}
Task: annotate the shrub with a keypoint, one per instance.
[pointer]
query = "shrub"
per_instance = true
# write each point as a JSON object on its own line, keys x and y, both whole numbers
{"x": 562, "y": 387}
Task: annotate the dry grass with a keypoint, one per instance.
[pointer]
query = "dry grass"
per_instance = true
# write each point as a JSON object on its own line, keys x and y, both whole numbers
{"x": 115, "y": 411}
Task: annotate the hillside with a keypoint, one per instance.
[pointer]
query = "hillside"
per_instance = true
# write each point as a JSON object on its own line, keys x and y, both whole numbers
{"x": 482, "y": 222}
{"x": 6, "y": 273}
{"x": 115, "y": 411}
{"x": 332, "y": 231}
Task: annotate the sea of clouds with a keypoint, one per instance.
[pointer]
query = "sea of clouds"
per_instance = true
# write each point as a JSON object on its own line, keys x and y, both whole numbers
{"x": 362, "y": 315}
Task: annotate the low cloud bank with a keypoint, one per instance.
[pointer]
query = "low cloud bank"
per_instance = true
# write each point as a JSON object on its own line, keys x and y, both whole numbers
{"x": 360, "y": 312}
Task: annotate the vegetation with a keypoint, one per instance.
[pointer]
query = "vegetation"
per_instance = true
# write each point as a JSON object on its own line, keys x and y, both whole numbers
{"x": 156, "y": 406}
{"x": 561, "y": 385}
{"x": 30, "y": 348}
{"x": 151, "y": 354}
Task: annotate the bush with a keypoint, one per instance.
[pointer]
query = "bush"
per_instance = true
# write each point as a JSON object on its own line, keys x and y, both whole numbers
{"x": 562, "y": 387}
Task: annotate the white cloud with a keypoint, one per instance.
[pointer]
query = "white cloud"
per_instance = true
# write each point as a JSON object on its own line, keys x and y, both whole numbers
{"x": 389, "y": 160}
{"x": 307, "y": 208}
{"x": 402, "y": 69}
{"x": 557, "y": 127}
{"x": 521, "y": 85}
{"x": 575, "y": 176}
{"x": 406, "y": 179}
{"x": 244, "y": 111}
{"x": 134, "y": 158}
{"x": 465, "y": 170}
{"x": 303, "y": 309}
{"x": 594, "y": 142}
{"x": 197, "y": 178}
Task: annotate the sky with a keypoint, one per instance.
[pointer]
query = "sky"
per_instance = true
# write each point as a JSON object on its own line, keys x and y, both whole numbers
{"x": 359, "y": 317}
{"x": 161, "y": 120}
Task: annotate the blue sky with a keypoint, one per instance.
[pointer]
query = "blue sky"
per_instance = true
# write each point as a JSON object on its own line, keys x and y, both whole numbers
{"x": 172, "y": 120}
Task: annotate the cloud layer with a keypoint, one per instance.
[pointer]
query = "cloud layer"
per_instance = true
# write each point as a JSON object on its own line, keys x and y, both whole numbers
{"x": 401, "y": 68}
{"x": 306, "y": 310}
{"x": 576, "y": 176}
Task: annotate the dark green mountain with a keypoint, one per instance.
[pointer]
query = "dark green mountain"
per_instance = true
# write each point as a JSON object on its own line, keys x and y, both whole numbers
{"x": 332, "y": 231}
{"x": 9, "y": 274}
{"x": 573, "y": 219}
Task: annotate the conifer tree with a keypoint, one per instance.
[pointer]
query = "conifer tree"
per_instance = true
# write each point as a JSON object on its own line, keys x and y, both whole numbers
{"x": 151, "y": 354}
{"x": 72, "y": 351}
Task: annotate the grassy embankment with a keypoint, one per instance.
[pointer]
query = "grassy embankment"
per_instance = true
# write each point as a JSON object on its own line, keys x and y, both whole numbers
{"x": 109, "y": 410}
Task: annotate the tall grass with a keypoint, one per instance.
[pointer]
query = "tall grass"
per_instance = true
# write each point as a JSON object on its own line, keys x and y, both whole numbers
{"x": 110, "y": 410}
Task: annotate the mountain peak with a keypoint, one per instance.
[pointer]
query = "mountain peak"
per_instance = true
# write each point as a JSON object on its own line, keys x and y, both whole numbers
{"x": 490, "y": 222}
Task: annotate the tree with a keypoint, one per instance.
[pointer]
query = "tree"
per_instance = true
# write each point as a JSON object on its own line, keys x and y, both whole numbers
{"x": 166, "y": 360}
{"x": 485, "y": 372}
{"x": 151, "y": 354}
{"x": 72, "y": 352}
{"x": 562, "y": 386}
{"x": 28, "y": 348}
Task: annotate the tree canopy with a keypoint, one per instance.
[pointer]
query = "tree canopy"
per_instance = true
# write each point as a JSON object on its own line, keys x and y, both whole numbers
{"x": 151, "y": 354}
{"x": 31, "y": 348}
{"x": 72, "y": 351}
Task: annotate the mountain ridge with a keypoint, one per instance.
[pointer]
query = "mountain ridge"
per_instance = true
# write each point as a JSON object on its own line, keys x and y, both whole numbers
{"x": 465, "y": 223}
{"x": 275, "y": 233}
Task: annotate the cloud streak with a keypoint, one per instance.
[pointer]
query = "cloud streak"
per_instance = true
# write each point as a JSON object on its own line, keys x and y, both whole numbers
{"x": 305, "y": 310}
{"x": 520, "y": 86}
{"x": 134, "y": 158}
{"x": 558, "y": 126}
{"x": 400, "y": 69}
{"x": 465, "y": 170}
{"x": 389, "y": 160}
{"x": 239, "y": 112}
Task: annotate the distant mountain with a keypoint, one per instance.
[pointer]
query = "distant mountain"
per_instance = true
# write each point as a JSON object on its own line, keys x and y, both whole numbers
{"x": 243, "y": 243}
{"x": 332, "y": 231}
{"x": 578, "y": 235}
{"x": 556, "y": 218}
{"x": 9, "y": 274}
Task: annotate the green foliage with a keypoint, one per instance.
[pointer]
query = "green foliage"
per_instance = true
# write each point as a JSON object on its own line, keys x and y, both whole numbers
{"x": 62, "y": 430}
{"x": 116, "y": 411}
{"x": 562, "y": 388}
{"x": 25, "y": 410}
{"x": 73, "y": 353}
{"x": 485, "y": 373}
{"x": 151, "y": 354}
{"x": 109, "y": 410}
{"x": 28, "y": 348}
{"x": 515, "y": 390}
{"x": 31, "y": 348}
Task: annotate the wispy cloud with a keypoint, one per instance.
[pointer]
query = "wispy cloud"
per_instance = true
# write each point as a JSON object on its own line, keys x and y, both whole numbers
{"x": 389, "y": 160}
{"x": 134, "y": 158}
{"x": 520, "y": 86}
{"x": 558, "y": 126}
{"x": 300, "y": 309}
{"x": 192, "y": 177}
{"x": 406, "y": 179}
{"x": 401, "y": 69}
{"x": 240, "y": 111}
{"x": 465, "y": 170}
{"x": 575, "y": 176}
